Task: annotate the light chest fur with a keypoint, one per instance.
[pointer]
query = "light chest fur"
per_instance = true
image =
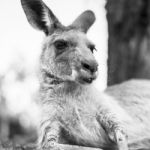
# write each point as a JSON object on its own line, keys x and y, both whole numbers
{"x": 76, "y": 107}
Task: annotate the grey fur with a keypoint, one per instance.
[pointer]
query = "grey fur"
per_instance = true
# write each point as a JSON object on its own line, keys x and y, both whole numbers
{"x": 73, "y": 111}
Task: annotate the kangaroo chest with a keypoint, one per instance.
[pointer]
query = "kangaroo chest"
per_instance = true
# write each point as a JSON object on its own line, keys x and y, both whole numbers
{"x": 80, "y": 113}
{"x": 79, "y": 120}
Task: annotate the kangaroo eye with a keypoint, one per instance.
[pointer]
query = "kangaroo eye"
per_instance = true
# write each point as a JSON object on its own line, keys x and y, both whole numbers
{"x": 92, "y": 48}
{"x": 61, "y": 44}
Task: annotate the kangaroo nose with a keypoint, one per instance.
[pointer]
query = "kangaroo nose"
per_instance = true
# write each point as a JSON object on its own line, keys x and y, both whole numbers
{"x": 92, "y": 67}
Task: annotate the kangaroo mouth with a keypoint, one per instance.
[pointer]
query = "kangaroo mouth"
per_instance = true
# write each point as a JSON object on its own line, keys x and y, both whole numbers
{"x": 80, "y": 77}
{"x": 86, "y": 78}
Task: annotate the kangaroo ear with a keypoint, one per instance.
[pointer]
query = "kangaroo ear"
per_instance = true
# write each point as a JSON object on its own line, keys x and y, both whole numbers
{"x": 84, "y": 21}
{"x": 39, "y": 15}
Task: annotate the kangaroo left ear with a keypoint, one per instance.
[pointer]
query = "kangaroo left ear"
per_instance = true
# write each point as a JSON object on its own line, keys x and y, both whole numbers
{"x": 84, "y": 21}
{"x": 40, "y": 16}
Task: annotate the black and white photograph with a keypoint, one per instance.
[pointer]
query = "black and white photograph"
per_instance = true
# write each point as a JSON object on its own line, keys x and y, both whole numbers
{"x": 75, "y": 75}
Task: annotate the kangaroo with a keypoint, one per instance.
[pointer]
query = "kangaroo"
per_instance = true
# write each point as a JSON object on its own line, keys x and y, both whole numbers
{"x": 73, "y": 111}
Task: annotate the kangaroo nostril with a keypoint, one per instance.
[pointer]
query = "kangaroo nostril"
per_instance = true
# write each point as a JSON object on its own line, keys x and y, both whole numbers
{"x": 86, "y": 66}
{"x": 90, "y": 67}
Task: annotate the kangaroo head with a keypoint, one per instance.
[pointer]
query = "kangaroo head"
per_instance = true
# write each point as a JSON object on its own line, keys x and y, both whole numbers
{"x": 67, "y": 52}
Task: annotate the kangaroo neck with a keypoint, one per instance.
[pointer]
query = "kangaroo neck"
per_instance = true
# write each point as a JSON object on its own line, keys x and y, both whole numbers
{"x": 55, "y": 84}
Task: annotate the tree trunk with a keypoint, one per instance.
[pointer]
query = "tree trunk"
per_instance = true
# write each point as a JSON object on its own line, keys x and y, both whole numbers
{"x": 129, "y": 40}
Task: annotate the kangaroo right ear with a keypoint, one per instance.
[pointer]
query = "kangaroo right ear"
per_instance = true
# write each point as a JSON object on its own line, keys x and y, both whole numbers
{"x": 84, "y": 21}
{"x": 40, "y": 16}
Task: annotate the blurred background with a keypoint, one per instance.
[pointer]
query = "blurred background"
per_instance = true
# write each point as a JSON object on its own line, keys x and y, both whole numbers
{"x": 121, "y": 34}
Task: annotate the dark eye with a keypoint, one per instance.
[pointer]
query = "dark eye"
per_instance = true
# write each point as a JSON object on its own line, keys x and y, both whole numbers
{"x": 61, "y": 44}
{"x": 92, "y": 48}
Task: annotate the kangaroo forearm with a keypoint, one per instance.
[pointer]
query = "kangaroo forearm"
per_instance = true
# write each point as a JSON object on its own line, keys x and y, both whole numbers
{"x": 113, "y": 127}
{"x": 49, "y": 132}
{"x": 108, "y": 120}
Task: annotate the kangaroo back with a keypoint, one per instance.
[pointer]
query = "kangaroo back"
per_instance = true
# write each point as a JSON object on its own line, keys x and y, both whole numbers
{"x": 134, "y": 97}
